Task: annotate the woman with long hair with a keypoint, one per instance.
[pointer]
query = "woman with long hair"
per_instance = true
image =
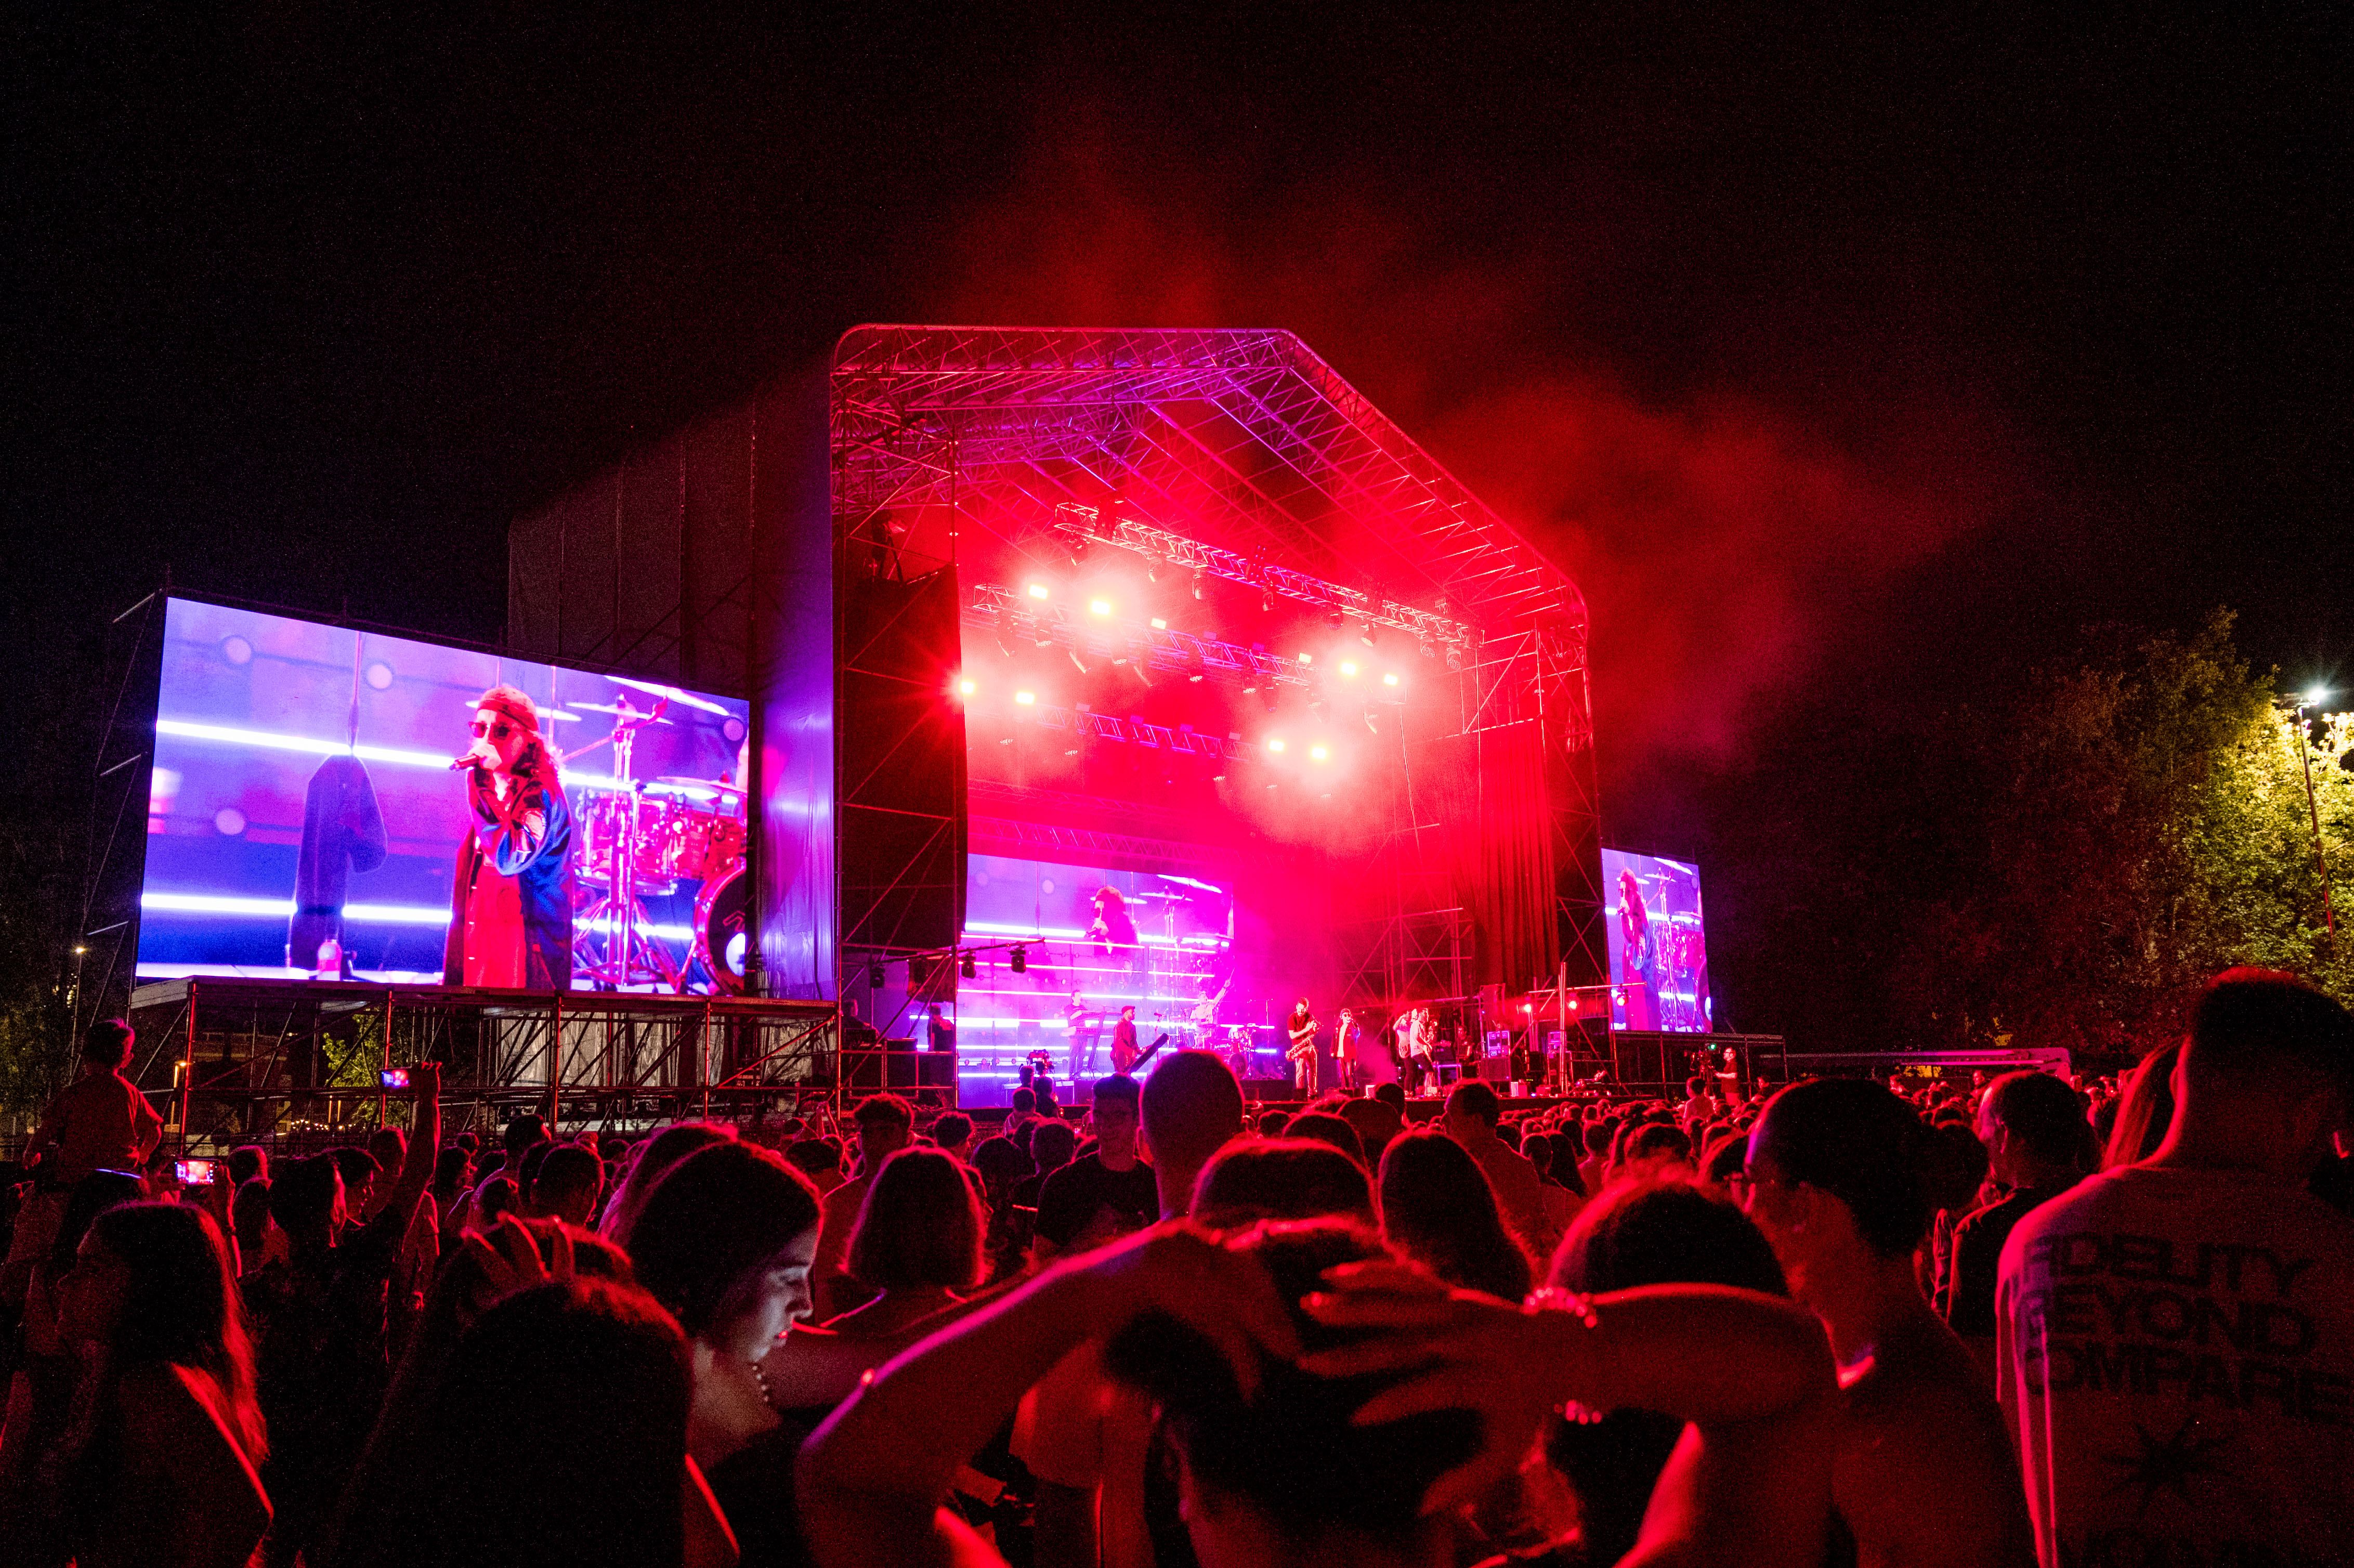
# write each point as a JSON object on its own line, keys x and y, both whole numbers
{"x": 163, "y": 1457}
{"x": 2145, "y": 1111}
{"x": 1438, "y": 1210}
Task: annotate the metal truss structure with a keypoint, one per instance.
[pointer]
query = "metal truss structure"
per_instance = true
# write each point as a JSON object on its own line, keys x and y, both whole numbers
{"x": 270, "y": 1061}
{"x": 1237, "y": 454}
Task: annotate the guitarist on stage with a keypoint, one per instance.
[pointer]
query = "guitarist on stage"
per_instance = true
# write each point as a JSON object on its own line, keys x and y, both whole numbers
{"x": 1301, "y": 1053}
{"x": 1124, "y": 1052}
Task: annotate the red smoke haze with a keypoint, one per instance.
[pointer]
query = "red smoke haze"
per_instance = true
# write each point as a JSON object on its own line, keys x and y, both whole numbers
{"x": 1719, "y": 541}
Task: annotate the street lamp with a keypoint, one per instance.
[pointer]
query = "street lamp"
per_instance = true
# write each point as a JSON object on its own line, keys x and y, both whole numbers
{"x": 2313, "y": 699}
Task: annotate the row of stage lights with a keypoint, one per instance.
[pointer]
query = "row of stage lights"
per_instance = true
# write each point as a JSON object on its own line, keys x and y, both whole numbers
{"x": 1348, "y": 667}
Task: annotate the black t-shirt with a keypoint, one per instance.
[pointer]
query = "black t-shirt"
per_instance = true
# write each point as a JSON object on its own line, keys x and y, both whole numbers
{"x": 1084, "y": 1200}
{"x": 1978, "y": 1258}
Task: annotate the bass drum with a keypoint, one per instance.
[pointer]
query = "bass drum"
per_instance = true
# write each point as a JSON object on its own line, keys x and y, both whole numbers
{"x": 721, "y": 916}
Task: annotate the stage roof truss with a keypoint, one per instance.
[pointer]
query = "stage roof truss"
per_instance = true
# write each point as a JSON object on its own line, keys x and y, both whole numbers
{"x": 916, "y": 409}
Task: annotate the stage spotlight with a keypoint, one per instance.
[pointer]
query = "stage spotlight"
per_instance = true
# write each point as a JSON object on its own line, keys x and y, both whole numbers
{"x": 1428, "y": 652}
{"x": 1369, "y": 720}
{"x": 1038, "y": 590}
{"x": 1308, "y": 658}
{"x": 967, "y": 968}
{"x": 1020, "y": 962}
{"x": 1389, "y": 678}
{"x": 1197, "y": 585}
{"x": 1266, "y": 600}
{"x": 1004, "y": 648}
{"x": 1365, "y": 634}
{"x": 1025, "y": 699}
{"x": 965, "y": 688}
{"x": 1455, "y": 657}
{"x": 1275, "y": 743}
{"x": 1082, "y": 663}
{"x": 1319, "y": 754}
{"x": 1153, "y": 571}
{"x": 1098, "y": 606}
{"x": 1159, "y": 624}
{"x": 1334, "y": 618}
{"x": 1349, "y": 669}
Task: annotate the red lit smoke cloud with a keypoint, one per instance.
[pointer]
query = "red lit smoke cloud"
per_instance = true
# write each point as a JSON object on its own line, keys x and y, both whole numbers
{"x": 1719, "y": 543}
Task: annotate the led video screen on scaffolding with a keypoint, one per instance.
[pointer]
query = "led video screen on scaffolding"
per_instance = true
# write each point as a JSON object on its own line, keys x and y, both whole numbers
{"x": 308, "y": 816}
{"x": 1659, "y": 949}
{"x": 1095, "y": 941}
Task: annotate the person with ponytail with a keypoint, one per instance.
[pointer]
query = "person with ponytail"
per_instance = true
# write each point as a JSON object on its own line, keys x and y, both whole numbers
{"x": 1835, "y": 1178}
{"x": 161, "y": 1464}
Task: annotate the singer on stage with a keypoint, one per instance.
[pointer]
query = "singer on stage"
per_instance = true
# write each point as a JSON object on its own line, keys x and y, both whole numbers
{"x": 511, "y": 902}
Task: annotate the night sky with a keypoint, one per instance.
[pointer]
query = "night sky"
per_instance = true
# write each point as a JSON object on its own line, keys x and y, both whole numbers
{"x": 1824, "y": 355}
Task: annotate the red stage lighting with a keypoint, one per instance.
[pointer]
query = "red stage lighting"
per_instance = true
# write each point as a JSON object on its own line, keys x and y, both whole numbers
{"x": 1276, "y": 744}
{"x": 1026, "y": 699}
{"x": 1038, "y": 590}
{"x": 965, "y": 688}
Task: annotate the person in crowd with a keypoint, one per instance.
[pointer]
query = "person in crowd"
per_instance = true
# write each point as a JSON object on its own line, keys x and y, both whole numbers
{"x": 320, "y": 1315}
{"x": 1327, "y": 1126}
{"x": 1088, "y": 1441}
{"x": 1376, "y": 1121}
{"x": 248, "y": 1162}
{"x": 494, "y": 1197}
{"x": 1438, "y": 1210}
{"x": 1663, "y": 1232}
{"x": 1924, "y": 1472}
{"x": 1282, "y": 1179}
{"x": 2033, "y": 1129}
{"x": 571, "y": 1182}
{"x": 249, "y": 1224}
{"x": 99, "y": 1122}
{"x": 557, "y": 1437}
{"x": 917, "y": 1245}
{"x": 1103, "y": 1194}
{"x": 1322, "y": 1397}
{"x": 818, "y": 1160}
{"x": 2175, "y": 1337}
{"x": 1654, "y": 1151}
{"x": 2145, "y": 1110}
{"x": 726, "y": 1242}
{"x": 162, "y": 1460}
{"x": 41, "y": 1389}
{"x": 1271, "y": 1123}
{"x": 1053, "y": 1144}
{"x": 659, "y": 1153}
{"x": 952, "y": 1136}
{"x": 886, "y": 1124}
{"x": 1954, "y": 1172}
{"x": 1470, "y": 1118}
{"x": 1000, "y": 1166}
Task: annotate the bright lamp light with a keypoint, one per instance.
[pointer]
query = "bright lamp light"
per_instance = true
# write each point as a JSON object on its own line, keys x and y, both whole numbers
{"x": 1037, "y": 590}
{"x": 1025, "y": 698}
{"x": 1099, "y": 607}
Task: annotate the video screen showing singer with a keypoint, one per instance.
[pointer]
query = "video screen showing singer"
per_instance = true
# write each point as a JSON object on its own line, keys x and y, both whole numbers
{"x": 511, "y": 902}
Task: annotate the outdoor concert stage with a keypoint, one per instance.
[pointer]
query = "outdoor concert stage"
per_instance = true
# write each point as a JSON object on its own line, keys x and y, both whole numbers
{"x": 1034, "y": 613}
{"x": 1082, "y": 670}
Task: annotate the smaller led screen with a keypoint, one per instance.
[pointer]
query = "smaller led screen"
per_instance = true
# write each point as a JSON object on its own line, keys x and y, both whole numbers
{"x": 1659, "y": 953}
{"x": 1094, "y": 941}
{"x": 305, "y": 819}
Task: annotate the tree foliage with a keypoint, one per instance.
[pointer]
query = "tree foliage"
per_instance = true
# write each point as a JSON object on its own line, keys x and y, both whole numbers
{"x": 2125, "y": 827}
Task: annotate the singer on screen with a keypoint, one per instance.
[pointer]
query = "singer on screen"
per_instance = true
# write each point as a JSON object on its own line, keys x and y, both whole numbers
{"x": 511, "y": 903}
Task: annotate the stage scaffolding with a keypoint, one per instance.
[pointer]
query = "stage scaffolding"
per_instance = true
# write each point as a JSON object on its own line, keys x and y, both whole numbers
{"x": 232, "y": 1060}
{"x": 1235, "y": 454}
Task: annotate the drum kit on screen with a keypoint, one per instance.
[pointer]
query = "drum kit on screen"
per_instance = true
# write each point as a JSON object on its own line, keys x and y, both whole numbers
{"x": 642, "y": 840}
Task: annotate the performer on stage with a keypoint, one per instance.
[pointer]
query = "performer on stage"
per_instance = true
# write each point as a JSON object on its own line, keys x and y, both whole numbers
{"x": 1085, "y": 1029}
{"x": 1348, "y": 1045}
{"x": 1124, "y": 1051}
{"x": 511, "y": 902}
{"x": 1301, "y": 1027}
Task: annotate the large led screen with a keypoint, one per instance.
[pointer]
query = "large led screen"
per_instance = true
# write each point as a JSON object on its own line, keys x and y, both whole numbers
{"x": 305, "y": 819}
{"x": 1659, "y": 952}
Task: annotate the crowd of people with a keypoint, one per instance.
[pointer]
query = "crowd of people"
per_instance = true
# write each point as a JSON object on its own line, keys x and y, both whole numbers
{"x": 2020, "y": 1320}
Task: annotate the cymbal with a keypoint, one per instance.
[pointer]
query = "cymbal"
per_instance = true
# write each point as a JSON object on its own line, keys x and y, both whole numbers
{"x": 617, "y": 712}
